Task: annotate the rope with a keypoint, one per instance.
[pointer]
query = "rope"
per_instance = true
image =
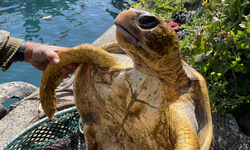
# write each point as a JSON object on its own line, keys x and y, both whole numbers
{"x": 65, "y": 84}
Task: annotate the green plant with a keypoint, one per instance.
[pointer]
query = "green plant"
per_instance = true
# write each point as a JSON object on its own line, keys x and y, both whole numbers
{"x": 222, "y": 53}
{"x": 162, "y": 8}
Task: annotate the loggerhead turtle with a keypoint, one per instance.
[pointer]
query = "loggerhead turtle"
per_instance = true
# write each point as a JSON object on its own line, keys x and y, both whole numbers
{"x": 147, "y": 99}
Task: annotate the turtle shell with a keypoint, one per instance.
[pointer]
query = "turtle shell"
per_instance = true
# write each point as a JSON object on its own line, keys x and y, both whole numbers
{"x": 147, "y": 98}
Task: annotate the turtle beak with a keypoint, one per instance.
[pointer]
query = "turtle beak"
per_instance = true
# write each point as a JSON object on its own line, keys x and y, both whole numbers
{"x": 124, "y": 18}
{"x": 124, "y": 30}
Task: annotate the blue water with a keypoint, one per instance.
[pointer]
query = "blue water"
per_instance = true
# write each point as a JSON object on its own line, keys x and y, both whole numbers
{"x": 73, "y": 22}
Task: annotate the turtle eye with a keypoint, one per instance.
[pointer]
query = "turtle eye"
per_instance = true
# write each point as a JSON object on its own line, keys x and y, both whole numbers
{"x": 147, "y": 22}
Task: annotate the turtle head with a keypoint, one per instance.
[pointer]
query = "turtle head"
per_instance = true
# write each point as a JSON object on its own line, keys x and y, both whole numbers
{"x": 147, "y": 39}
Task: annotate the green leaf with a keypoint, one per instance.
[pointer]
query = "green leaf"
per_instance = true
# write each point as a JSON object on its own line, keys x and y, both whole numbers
{"x": 244, "y": 70}
{"x": 248, "y": 56}
{"x": 246, "y": 41}
{"x": 224, "y": 68}
{"x": 233, "y": 63}
{"x": 232, "y": 81}
{"x": 238, "y": 59}
{"x": 203, "y": 69}
{"x": 209, "y": 53}
{"x": 232, "y": 33}
{"x": 216, "y": 19}
{"x": 240, "y": 32}
{"x": 221, "y": 45}
{"x": 241, "y": 91}
{"x": 242, "y": 25}
{"x": 248, "y": 24}
{"x": 234, "y": 24}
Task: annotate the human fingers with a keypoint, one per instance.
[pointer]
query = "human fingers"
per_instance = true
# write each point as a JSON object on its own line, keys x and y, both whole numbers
{"x": 72, "y": 67}
{"x": 65, "y": 72}
{"x": 68, "y": 70}
{"x": 51, "y": 55}
{"x": 57, "y": 48}
{"x": 41, "y": 66}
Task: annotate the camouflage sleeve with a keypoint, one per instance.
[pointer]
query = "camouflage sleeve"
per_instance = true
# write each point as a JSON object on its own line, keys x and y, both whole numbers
{"x": 8, "y": 47}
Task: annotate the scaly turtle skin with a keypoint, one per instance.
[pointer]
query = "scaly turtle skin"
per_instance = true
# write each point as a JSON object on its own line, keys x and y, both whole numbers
{"x": 147, "y": 99}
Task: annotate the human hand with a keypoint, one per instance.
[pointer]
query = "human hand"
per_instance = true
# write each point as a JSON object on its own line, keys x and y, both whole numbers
{"x": 40, "y": 55}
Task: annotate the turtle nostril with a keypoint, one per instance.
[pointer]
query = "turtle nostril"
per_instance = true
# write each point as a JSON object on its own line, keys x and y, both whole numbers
{"x": 127, "y": 8}
{"x": 148, "y": 22}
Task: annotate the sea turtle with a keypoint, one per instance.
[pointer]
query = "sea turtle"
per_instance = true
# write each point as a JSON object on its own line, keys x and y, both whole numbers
{"x": 147, "y": 99}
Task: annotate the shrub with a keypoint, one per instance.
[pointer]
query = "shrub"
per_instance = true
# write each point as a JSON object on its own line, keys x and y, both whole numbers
{"x": 162, "y": 8}
{"x": 222, "y": 52}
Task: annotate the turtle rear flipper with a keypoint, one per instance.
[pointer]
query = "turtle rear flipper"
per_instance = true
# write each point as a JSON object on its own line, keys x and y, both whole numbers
{"x": 183, "y": 124}
{"x": 202, "y": 108}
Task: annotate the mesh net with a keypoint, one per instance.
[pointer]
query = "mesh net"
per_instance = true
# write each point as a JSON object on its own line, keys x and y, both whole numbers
{"x": 63, "y": 133}
{"x": 226, "y": 134}
{"x": 46, "y": 132}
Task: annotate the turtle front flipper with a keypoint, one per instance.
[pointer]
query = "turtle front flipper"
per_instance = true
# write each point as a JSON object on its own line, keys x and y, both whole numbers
{"x": 183, "y": 125}
{"x": 113, "y": 47}
{"x": 51, "y": 77}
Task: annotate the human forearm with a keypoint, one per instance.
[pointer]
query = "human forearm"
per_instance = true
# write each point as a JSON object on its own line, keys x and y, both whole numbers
{"x": 8, "y": 47}
{"x": 28, "y": 50}
{"x": 38, "y": 55}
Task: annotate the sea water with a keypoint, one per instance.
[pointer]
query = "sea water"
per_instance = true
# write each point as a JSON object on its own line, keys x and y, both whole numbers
{"x": 57, "y": 22}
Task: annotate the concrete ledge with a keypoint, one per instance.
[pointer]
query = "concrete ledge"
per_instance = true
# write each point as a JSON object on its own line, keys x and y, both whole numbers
{"x": 107, "y": 37}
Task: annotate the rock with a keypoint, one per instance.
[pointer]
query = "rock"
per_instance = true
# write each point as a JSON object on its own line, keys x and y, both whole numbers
{"x": 15, "y": 90}
{"x": 3, "y": 111}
